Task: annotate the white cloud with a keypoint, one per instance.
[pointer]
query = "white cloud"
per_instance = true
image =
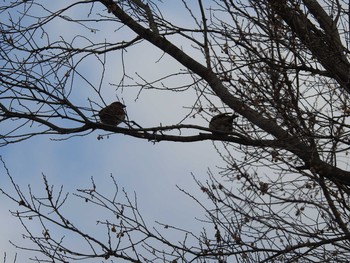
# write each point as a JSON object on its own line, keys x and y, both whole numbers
{"x": 152, "y": 170}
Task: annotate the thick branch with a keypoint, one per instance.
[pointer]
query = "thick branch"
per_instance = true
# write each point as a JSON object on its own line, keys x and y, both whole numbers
{"x": 325, "y": 46}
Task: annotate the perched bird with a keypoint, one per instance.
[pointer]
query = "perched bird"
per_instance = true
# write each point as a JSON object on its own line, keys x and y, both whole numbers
{"x": 222, "y": 122}
{"x": 113, "y": 114}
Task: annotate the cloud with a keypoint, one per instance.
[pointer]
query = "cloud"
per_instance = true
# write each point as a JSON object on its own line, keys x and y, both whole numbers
{"x": 151, "y": 170}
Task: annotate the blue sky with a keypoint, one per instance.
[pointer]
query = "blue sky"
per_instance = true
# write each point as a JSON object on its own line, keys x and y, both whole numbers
{"x": 151, "y": 170}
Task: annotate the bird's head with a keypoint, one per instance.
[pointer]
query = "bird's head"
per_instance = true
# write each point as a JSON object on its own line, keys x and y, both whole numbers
{"x": 118, "y": 104}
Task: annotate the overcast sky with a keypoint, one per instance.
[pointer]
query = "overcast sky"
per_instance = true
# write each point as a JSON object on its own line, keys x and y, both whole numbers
{"x": 151, "y": 170}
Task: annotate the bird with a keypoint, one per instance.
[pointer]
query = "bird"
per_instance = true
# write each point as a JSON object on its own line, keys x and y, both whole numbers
{"x": 112, "y": 114}
{"x": 222, "y": 122}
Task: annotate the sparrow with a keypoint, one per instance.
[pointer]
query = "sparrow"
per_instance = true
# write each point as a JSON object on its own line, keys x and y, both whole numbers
{"x": 222, "y": 122}
{"x": 112, "y": 114}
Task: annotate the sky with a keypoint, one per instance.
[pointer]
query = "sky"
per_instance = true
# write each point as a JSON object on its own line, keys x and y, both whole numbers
{"x": 152, "y": 170}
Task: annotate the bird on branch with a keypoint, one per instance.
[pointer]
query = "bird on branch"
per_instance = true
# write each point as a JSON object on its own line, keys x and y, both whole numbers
{"x": 222, "y": 122}
{"x": 112, "y": 114}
